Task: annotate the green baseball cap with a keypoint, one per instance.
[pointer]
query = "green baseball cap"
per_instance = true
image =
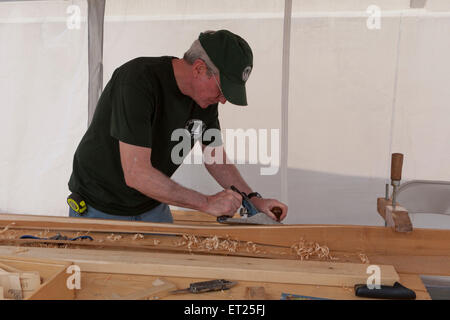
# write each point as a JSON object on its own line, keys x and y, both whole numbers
{"x": 233, "y": 57}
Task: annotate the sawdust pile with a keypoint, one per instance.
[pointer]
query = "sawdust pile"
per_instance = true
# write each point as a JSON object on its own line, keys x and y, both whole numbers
{"x": 208, "y": 244}
{"x": 214, "y": 243}
{"x": 310, "y": 249}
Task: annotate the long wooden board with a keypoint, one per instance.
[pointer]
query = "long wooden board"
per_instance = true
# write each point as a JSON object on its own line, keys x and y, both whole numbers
{"x": 114, "y": 286}
{"x": 213, "y": 267}
{"x": 425, "y": 265}
{"x": 371, "y": 240}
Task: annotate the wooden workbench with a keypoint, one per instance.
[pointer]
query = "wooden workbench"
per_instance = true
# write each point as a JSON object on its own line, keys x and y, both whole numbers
{"x": 421, "y": 252}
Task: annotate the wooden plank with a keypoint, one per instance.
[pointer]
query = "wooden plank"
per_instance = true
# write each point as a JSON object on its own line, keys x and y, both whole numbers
{"x": 398, "y": 218}
{"x": 114, "y": 286}
{"x": 409, "y": 260}
{"x": 234, "y": 268}
{"x": 46, "y": 267}
{"x": 255, "y": 293}
{"x": 55, "y": 288}
{"x": 378, "y": 240}
{"x": 381, "y": 206}
{"x": 8, "y": 268}
{"x": 421, "y": 265}
{"x": 431, "y": 265}
{"x": 155, "y": 292}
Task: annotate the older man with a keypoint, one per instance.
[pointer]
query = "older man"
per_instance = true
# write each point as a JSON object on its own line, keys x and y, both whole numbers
{"x": 123, "y": 164}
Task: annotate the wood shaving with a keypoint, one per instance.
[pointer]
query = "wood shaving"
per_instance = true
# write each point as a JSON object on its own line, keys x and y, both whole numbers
{"x": 138, "y": 236}
{"x": 156, "y": 242}
{"x": 250, "y": 246}
{"x": 7, "y": 227}
{"x": 20, "y": 250}
{"x": 364, "y": 258}
{"x": 12, "y": 234}
{"x": 309, "y": 249}
{"x": 347, "y": 289}
{"x": 113, "y": 237}
{"x": 43, "y": 234}
{"x": 253, "y": 247}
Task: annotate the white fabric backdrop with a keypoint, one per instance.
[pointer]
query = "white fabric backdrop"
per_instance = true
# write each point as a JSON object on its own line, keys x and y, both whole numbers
{"x": 360, "y": 94}
{"x": 43, "y": 90}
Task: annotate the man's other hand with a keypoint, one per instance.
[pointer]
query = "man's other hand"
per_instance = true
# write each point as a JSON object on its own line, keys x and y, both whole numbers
{"x": 224, "y": 203}
{"x": 266, "y": 206}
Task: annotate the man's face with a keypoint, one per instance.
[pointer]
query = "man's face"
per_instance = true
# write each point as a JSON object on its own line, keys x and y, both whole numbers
{"x": 206, "y": 89}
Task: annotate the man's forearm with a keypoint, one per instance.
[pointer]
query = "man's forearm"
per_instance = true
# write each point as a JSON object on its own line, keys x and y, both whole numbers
{"x": 227, "y": 175}
{"x": 158, "y": 186}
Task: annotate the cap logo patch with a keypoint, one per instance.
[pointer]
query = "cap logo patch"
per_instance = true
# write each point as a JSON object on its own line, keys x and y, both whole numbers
{"x": 246, "y": 73}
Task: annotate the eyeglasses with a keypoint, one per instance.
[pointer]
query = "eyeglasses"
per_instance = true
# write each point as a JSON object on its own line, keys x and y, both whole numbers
{"x": 218, "y": 86}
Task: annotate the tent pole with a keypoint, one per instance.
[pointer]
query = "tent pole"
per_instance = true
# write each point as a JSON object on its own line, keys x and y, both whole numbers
{"x": 285, "y": 99}
{"x": 96, "y": 14}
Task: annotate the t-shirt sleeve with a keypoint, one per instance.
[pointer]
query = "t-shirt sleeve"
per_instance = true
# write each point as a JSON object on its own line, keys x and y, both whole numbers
{"x": 131, "y": 116}
{"x": 212, "y": 135}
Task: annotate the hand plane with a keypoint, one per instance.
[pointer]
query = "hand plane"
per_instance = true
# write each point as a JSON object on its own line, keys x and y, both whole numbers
{"x": 249, "y": 214}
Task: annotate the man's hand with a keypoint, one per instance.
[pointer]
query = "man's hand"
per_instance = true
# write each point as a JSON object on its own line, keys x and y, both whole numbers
{"x": 224, "y": 203}
{"x": 266, "y": 205}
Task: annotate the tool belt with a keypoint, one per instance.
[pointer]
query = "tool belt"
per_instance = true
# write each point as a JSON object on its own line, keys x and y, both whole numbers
{"x": 76, "y": 202}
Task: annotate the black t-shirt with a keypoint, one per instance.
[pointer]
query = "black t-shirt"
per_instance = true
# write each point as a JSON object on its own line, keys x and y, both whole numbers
{"x": 141, "y": 105}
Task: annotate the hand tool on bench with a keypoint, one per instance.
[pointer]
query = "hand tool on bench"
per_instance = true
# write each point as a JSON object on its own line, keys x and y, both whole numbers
{"x": 397, "y": 291}
{"x": 250, "y": 215}
{"x": 206, "y": 286}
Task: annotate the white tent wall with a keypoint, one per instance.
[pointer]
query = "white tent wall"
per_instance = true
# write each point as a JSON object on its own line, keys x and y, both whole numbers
{"x": 360, "y": 94}
{"x": 43, "y": 92}
{"x": 355, "y": 96}
{"x": 422, "y": 113}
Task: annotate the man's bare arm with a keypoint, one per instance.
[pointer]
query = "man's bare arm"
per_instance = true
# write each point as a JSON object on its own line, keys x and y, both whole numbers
{"x": 139, "y": 174}
{"x": 226, "y": 174}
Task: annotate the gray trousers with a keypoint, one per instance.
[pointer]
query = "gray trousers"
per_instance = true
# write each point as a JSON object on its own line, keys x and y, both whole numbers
{"x": 161, "y": 213}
